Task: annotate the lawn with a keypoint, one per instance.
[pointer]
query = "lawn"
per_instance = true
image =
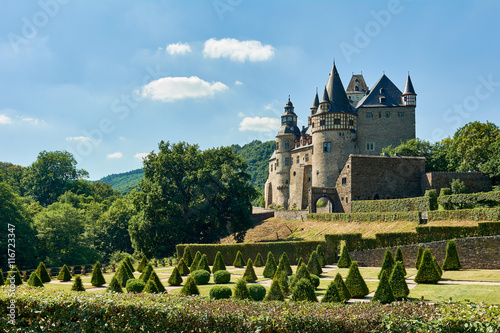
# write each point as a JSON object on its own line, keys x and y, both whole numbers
{"x": 443, "y": 292}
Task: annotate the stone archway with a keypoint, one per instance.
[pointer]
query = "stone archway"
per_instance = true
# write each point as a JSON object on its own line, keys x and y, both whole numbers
{"x": 317, "y": 193}
{"x": 324, "y": 205}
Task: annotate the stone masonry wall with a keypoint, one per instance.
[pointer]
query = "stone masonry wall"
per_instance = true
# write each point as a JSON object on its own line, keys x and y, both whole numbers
{"x": 290, "y": 215}
{"x": 474, "y": 253}
{"x": 475, "y": 181}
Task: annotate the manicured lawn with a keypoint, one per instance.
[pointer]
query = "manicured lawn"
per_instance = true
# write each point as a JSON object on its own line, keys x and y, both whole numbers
{"x": 472, "y": 275}
{"x": 366, "y": 272}
{"x": 443, "y": 292}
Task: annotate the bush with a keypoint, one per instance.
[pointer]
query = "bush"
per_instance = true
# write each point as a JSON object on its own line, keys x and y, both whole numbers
{"x": 344, "y": 293}
{"x": 150, "y": 287}
{"x": 285, "y": 263}
{"x": 64, "y": 274}
{"x": 114, "y": 286}
{"x": 438, "y": 268}
{"x": 97, "y": 279}
{"x": 156, "y": 280}
{"x": 398, "y": 283}
{"x": 77, "y": 284}
{"x": 275, "y": 293}
{"x": 196, "y": 261}
{"x": 203, "y": 264}
{"x": 129, "y": 263}
{"x": 14, "y": 275}
{"x": 221, "y": 277}
{"x": 190, "y": 287}
{"x": 387, "y": 264}
{"x": 345, "y": 259}
{"x": 218, "y": 263}
{"x": 432, "y": 195}
{"x": 34, "y": 280}
{"x": 121, "y": 275}
{"x": 383, "y": 294}
{"x": 258, "y": 261}
{"x": 42, "y": 273}
{"x": 314, "y": 280}
{"x": 313, "y": 265}
{"x": 419, "y": 257}
{"x": 399, "y": 257}
{"x": 304, "y": 291}
{"x": 183, "y": 268}
{"x": 321, "y": 255}
{"x": 427, "y": 272}
{"x": 332, "y": 294}
{"x": 451, "y": 260}
{"x": 249, "y": 274}
{"x": 127, "y": 269}
{"x": 270, "y": 268}
{"x": 458, "y": 186}
{"x": 220, "y": 292}
{"x": 257, "y": 292}
{"x": 241, "y": 290}
{"x": 283, "y": 281}
{"x": 135, "y": 286}
{"x": 299, "y": 263}
{"x": 175, "y": 278}
{"x": 445, "y": 191}
{"x": 393, "y": 205}
{"x": 201, "y": 277}
{"x": 142, "y": 264}
{"x": 146, "y": 273}
{"x": 238, "y": 261}
{"x": 302, "y": 273}
{"x": 355, "y": 282}
{"x": 187, "y": 256}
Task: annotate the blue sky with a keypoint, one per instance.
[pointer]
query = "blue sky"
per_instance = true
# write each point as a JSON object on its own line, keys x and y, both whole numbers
{"x": 108, "y": 80}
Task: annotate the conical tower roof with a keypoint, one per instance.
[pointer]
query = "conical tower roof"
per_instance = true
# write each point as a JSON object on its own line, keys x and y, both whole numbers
{"x": 409, "y": 87}
{"x": 325, "y": 97}
{"x": 316, "y": 100}
{"x": 336, "y": 92}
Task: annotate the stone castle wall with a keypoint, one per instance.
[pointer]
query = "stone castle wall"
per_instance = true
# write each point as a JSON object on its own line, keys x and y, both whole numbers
{"x": 475, "y": 181}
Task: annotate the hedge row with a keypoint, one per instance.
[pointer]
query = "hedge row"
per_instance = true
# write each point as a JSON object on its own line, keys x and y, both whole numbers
{"x": 478, "y": 214}
{"x": 59, "y": 311}
{"x": 392, "y": 205}
{"x": 294, "y": 250}
{"x": 469, "y": 201}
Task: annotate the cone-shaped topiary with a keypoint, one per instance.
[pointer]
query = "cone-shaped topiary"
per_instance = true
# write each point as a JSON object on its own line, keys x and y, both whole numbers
{"x": 398, "y": 283}
{"x": 156, "y": 280}
{"x": 129, "y": 263}
{"x": 387, "y": 264}
{"x": 114, "y": 286}
{"x": 249, "y": 274}
{"x": 77, "y": 284}
{"x": 218, "y": 263}
{"x": 438, "y": 268}
{"x": 258, "y": 261}
{"x": 190, "y": 287}
{"x": 241, "y": 290}
{"x": 146, "y": 273}
{"x": 196, "y": 261}
{"x": 64, "y": 274}
{"x": 383, "y": 294}
{"x": 35, "y": 280}
{"x": 304, "y": 291}
{"x": 332, "y": 294}
{"x": 270, "y": 268}
{"x": 283, "y": 281}
{"x": 220, "y": 292}
{"x": 321, "y": 255}
{"x": 427, "y": 272}
{"x": 127, "y": 270}
{"x": 121, "y": 275}
{"x": 97, "y": 279}
{"x": 399, "y": 257}
{"x": 238, "y": 261}
{"x": 187, "y": 256}
{"x": 275, "y": 293}
{"x": 221, "y": 277}
{"x": 345, "y": 259}
{"x": 419, "y": 257}
{"x": 302, "y": 273}
{"x": 2, "y": 281}
{"x": 183, "y": 268}
{"x": 314, "y": 280}
{"x": 285, "y": 262}
{"x": 175, "y": 278}
{"x": 150, "y": 287}
{"x": 313, "y": 265}
{"x": 42, "y": 273}
{"x": 14, "y": 276}
{"x": 344, "y": 293}
{"x": 298, "y": 264}
{"x": 355, "y": 282}
{"x": 203, "y": 264}
{"x": 451, "y": 260}
{"x": 142, "y": 264}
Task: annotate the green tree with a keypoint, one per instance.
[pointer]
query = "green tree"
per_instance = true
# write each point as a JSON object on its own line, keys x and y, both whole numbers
{"x": 302, "y": 273}
{"x": 175, "y": 278}
{"x": 159, "y": 286}
{"x": 285, "y": 262}
{"x": 270, "y": 268}
{"x": 355, "y": 282}
{"x": 239, "y": 261}
{"x": 182, "y": 267}
{"x": 41, "y": 271}
{"x": 304, "y": 291}
{"x": 387, "y": 264}
{"x": 344, "y": 293}
{"x": 218, "y": 263}
{"x": 420, "y": 253}
{"x": 427, "y": 271}
{"x": 249, "y": 273}
{"x": 114, "y": 286}
{"x": 142, "y": 264}
{"x": 321, "y": 255}
{"x": 34, "y": 280}
{"x": 275, "y": 293}
{"x": 64, "y": 274}
{"x": 258, "y": 260}
{"x": 384, "y": 293}
{"x": 97, "y": 278}
{"x": 399, "y": 257}
{"x": 190, "y": 287}
{"x": 150, "y": 287}
{"x": 451, "y": 260}
{"x": 196, "y": 262}
{"x": 146, "y": 273}
{"x": 187, "y": 256}
{"x": 298, "y": 264}
{"x": 78, "y": 284}
{"x": 241, "y": 290}
{"x": 203, "y": 264}
{"x": 332, "y": 294}
{"x": 398, "y": 283}
{"x": 345, "y": 259}
{"x": 313, "y": 265}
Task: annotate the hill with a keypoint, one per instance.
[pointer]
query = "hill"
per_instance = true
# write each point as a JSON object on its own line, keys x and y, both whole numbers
{"x": 124, "y": 182}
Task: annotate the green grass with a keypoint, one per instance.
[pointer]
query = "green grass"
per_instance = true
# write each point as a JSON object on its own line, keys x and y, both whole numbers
{"x": 472, "y": 275}
{"x": 443, "y": 292}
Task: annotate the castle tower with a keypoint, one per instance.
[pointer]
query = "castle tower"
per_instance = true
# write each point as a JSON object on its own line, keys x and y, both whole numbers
{"x": 409, "y": 95}
{"x": 356, "y": 88}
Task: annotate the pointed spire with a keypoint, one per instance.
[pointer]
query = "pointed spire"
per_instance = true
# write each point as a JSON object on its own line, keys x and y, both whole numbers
{"x": 336, "y": 92}
{"x": 409, "y": 87}
{"x": 316, "y": 100}
{"x": 325, "y": 98}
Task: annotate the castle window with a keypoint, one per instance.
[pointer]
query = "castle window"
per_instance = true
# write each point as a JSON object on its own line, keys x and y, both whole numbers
{"x": 401, "y": 114}
{"x": 344, "y": 181}
{"x": 287, "y": 161}
{"x": 327, "y": 147}
{"x": 322, "y": 123}
{"x": 294, "y": 173}
{"x": 382, "y": 100}
{"x": 382, "y": 90}
{"x": 277, "y": 145}
{"x": 277, "y": 162}
{"x": 307, "y": 157}
{"x": 380, "y": 114}
{"x": 356, "y": 88}
{"x": 336, "y": 121}
{"x": 369, "y": 115}
{"x": 298, "y": 159}
{"x": 309, "y": 179}
{"x": 271, "y": 168}
{"x": 287, "y": 145}
{"x": 388, "y": 114}
{"x": 370, "y": 146}
{"x": 346, "y": 200}
{"x": 286, "y": 181}
{"x": 341, "y": 133}
{"x": 351, "y": 122}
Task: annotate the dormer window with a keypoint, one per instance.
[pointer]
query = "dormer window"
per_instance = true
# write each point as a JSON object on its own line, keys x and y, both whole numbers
{"x": 382, "y": 90}
{"x": 356, "y": 88}
{"x": 382, "y": 100}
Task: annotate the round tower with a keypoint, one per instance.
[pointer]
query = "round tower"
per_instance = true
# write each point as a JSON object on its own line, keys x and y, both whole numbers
{"x": 409, "y": 95}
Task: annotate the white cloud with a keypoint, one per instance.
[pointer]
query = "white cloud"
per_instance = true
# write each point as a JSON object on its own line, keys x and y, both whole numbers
{"x": 235, "y": 50}
{"x": 115, "y": 155}
{"x": 258, "y": 124}
{"x": 141, "y": 155}
{"x": 241, "y": 114}
{"x": 32, "y": 121}
{"x": 178, "y": 48}
{"x": 238, "y": 83}
{"x": 169, "y": 89}
{"x": 5, "y": 120}
{"x": 78, "y": 138}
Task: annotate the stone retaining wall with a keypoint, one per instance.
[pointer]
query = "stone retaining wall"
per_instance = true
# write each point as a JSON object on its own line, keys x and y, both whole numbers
{"x": 290, "y": 215}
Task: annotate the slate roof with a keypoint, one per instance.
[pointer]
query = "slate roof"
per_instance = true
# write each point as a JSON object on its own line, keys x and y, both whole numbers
{"x": 286, "y": 129}
{"x": 336, "y": 93}
{"x": 383, "y": 88}
{"x": 359, "y": 81}
{"x": 409, "y": 87}
{"x": 316, "y": 101}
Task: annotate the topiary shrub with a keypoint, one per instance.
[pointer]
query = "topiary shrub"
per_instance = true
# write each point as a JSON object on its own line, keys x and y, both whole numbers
{"x": 285, "y": 263}
{"x": 97, "y": 279}
{"x": 387, "y": 264}
{"x": 127, "y": 270}
{"x": 451, "y": 260}
{"x": 121, "y": 275}
{"x": 142, "y": 264}
{"x": 201, "y": 276}
{"x": 146, "y": 273}
{"x": 42, "y": 273}
{"x": 220, "y": 292}
{"x": 332, "y": 294}
{"x": 150, "y": 287}
{"x": 258, "y": 261}
{"x": 257, "y": 292}
{"x": 298, "y": 264}
{"x": 345, "y": 259}
{"x": 249, "y": 274}
{"x": 344, "y": 293}
{"x": 114, "y": 286}
{"x": 135, "y": 286}
{"x": 187, "y": 256}
{"x": 282, "y": 278}
{"x": 203, "y": 264}
{"x": 64, "y": 274}
{"x": 432, "y": 195}
{"x": 221, "y": 277}
{"x": 183, "y": 268}
{"x": 355, "y": 282}
{"x": 445, "y": 191}
{"x": 15, "y": 276}
{"x": 34, "y": 280}
{"x": 399, "y": 257}
{"x": 427, "y": 272}
{"x": 129, "y": 263}
{"x": 238, "y": 261}
{"x": 304, "y": 291}
{"x": 196, "y": 261}
{"x": 419, "y": 257}
{"x": 77, "y": 284}
{"x": 383, "y": 294}
{"x": 302, "y": 273}
{"x": 314, "y": 280}
{"x": 218, "y": 263}
{"x": 438, "y": 268}
{"x": 241, "y": 290}
{"x": 275, "y": 293}
{"x": 159, "y": 285}
{"x": 398, "y": 283}
{"x": 321, "y": 255}
{"x": 270, "y": 268}
{"x": 190, "y": 287}
{"x": 175, "y": 278}
{"x": 313, "y": 265}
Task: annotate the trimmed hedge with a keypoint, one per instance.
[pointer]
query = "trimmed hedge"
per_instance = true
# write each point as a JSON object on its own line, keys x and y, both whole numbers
{"x": 135, "y": 286}
{"x": 478, "y": 214}
{"x": 392, "y": 205}
{"x": 221, "y": 277}
{"x": 469, "y": 201}
{"x": 365, "y": 217}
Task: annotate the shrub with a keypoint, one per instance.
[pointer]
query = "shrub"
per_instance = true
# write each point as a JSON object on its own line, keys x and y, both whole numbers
{"x": 394, "y": 205}
{"x": 129, "y": 263}
{"x": 285, "y": 263}
{"x": 218, "y": 263}
{"x": 304, "y": 291}
{"x": 64, "y": 274}
{"x": 383, "y": 294}
{"x": 275, "y": 293}
{"x": 238, "y": 261}
{"x": 257, "y": 292}
{"x": 187, "y": 256}
{"x": 283, "y": 281}
{"x": 270, "y": 268}
{"x": 220, "y": 292}
{"x": 121, "y": 275}
{"x": 300, "y": 262}
{"x": 221, "y": 277}
{"x": 321, "y": 255}
{"x": 445, "y": 191}
{"x": 432, "y": 195}
{"x": 201, "y": 276}
{"x": 156, "y": 280}
{"x": 399, "y": 257}
{"x": 249, "y": 274}
{"x": 241, "y": 290}
{"x": 77, "y": 284}
{"x": 150, "y": 287}
{"x": 42, "y": 273}
{"x": 190, "y": 287}
{"x": 313, "y": 265}
{"x": 135, "y": 286}
{"x": 203, "y": 264}
{"x": 398, "y": 283}
{"x": 196, "y": 261}
{"x": 345, "y": 259}
{"x": 127, "y": 269}
{"x": 419, "y": 257}
{"x": 438, "y": 268}
{"x": 258, "y": 261}
{"x": 451, "y": 260}
{"x": 2, "y": 281}
{"x": 146, "y": 273}
{"x": 314, "y": 280}
{"x": 182, "y": 267}
{"x": 427, "y": 272}
{"x": 332, "y": 294}
{"x": 458, "y": 186}
{"x": 302, "y": 273}
{"x": 17, "y": 277}
{"x": 344, "y": 293}
{"x": 355, "y": 282}
{"x": 142, "y": 264}
{"x": 175, "y": 278}
{"x": 387, "y": 264}
{"x": 97, "y": 279}
{"x": 114, "y": 286}
{"x": 34, "y": 280}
